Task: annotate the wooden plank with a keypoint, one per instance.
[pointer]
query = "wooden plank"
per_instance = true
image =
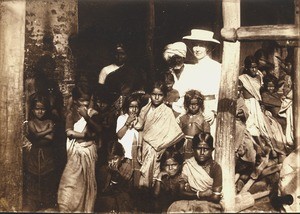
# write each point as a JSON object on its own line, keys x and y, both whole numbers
{"x": 272, "y": 32}
{"x": 12, "y": 40}
{"x": 227, "y": 105}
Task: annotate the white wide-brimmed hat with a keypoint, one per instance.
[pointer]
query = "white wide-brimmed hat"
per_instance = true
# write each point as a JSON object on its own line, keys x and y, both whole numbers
{"x": 201, "y": 35}
{"x": 177, "y": 48}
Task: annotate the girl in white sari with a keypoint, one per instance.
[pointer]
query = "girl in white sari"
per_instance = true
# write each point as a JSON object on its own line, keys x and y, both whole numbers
{"x": 77, "y": 189}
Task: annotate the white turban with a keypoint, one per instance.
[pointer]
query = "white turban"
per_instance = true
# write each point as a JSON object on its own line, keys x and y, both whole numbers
{"x": 177, "y": 48}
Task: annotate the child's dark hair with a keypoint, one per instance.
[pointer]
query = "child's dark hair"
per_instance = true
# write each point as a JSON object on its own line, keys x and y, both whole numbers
{"x": 203, "y": 137}
{"x": 116, "y": 148}
{"x": 193, "y": 94}
{"x": 249, "y": 60}
{"x": 171, "y": 153}
{"x": 129, "y": 99}
{"x": 160, "y": 85}
{"x": 168, "y": 78}
{"x": 79, "y": 92}
{"x": 42, "y": 99}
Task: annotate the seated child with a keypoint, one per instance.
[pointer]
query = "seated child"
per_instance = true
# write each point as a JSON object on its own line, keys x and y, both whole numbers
{"x": 167, "y": 184}
{"x": 115, "y": 183}
{"x": 193, "y": 121}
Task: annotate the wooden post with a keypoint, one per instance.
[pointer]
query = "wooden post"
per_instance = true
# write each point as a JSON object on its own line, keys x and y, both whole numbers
{"x": 296, "y": 80}
{"x": 12, "y": 39}
{"x": 227, "y": 104}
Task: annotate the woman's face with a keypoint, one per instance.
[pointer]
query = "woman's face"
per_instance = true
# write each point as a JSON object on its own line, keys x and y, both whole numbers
{"x": 200, "y": 51}
{"x": 39, "y": 110}
{"x": 133, "y": 108}
{"x": 157, "y": 97}
{"x": 202, "y": 152}
{"x": 171, "y": 167}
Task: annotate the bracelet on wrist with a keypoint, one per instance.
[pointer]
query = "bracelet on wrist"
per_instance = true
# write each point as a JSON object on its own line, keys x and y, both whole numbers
{"x": 157, "y": 179}
{"x": 198, "y": 194}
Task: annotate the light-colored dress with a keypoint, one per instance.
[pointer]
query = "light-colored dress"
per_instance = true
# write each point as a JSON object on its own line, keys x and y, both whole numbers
{"x": 78, "y": 188}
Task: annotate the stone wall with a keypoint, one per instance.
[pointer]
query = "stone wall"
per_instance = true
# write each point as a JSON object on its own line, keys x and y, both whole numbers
{"x": 51, "y": 22}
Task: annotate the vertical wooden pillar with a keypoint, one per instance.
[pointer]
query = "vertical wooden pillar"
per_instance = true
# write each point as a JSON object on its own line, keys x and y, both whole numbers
{"x": 227, "y": 104}
{"x": 12, "y": 37}
{"x": 296, "y": 80}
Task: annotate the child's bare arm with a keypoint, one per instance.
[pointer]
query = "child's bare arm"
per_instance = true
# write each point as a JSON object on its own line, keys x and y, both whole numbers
{"x": 75, "y": 135}
{"x": 41, "y": 134}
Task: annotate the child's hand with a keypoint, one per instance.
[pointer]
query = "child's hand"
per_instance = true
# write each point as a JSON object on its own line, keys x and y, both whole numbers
{"x": 162, "y": 174}
{"x": 82, "y": 110}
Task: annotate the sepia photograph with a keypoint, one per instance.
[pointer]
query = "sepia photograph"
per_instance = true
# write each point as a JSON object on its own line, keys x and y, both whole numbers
{"x": 149, "y": 106}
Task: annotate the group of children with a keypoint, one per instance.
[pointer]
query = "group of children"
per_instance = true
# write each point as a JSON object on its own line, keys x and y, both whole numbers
{"x": 105, "y": 171}
{"x": 147, "y": 157}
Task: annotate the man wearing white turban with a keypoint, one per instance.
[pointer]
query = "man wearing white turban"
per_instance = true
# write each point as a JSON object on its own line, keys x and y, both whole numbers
{"x": 175, "y": 55}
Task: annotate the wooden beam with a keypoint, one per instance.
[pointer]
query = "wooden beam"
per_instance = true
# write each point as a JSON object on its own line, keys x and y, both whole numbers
{"x": 12, "y": 40}
{"x": 272, "y": 32}
{"x": 227, "y": 105}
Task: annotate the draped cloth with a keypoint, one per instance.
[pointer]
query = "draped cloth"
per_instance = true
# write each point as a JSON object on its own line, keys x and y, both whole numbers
{"x": 198, "y": 178}
{"x": 159, "y": 131}
{"x": 286, "y": 111}
{"x": 259, "y": 123}
{"x": 78, "y": 188}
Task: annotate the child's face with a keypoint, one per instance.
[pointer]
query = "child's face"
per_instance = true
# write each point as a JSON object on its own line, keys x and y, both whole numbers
{"x": 84, "y": 101}
{"x": 202, "y": 152}
{"x": 100, "y": 105}
{"x": 157, "y": 97}
{"x": 133, "y": 108}
{"x": 39, "y": 110}
{"x": 171, "y": 167}
{"x": 169, "y": 85}
{"x": 194, "y": 106}
{"x": 270, "y": 87}
{"x": 253, "y": 70}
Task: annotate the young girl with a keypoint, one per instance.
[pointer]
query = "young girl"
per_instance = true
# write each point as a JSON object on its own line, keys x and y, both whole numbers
{"x": 115, "y": 182}
{"x": 159, "y": 131}
{"x": 77, "y": 190}
{"x": 193, "y": 121}
{"x": 41, "y": 184}
{"x": 167, "y": 183}
{"x": 127, "y": 135}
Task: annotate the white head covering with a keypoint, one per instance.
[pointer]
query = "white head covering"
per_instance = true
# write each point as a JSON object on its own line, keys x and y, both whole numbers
{"x": 201, "y": 35}
{"x": 177, "y": 48}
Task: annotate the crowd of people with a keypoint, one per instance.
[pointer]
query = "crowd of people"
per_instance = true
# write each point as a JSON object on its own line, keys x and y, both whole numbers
{"x": 133, "y": 148}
